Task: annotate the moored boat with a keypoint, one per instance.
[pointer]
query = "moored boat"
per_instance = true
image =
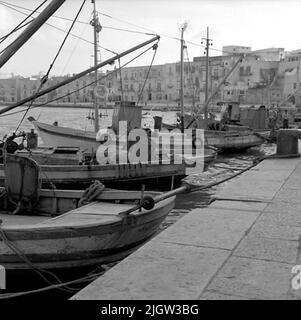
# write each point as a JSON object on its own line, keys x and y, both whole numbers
{"x": 53, "y": 231}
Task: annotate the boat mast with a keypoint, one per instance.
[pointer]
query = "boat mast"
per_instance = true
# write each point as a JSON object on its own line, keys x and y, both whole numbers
{"x": 96, "y": 29}
{"x": 183, "y": 28}
{"x": 33, "y": 27}
{"x": 207, "y": 79}
{"x": 240, "y": 59}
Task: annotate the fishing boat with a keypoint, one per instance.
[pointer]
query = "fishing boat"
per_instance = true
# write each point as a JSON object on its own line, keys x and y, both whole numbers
{"x": 224, "y": 137}
{"x": 62, "y": 229}
{"x": 65, "y": 166}
{"x": 234, "y": 138}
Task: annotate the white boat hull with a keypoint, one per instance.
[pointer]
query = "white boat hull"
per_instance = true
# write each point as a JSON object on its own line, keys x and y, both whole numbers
{"x": 56, "y": 136}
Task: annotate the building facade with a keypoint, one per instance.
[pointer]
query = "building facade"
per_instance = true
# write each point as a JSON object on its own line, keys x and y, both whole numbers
{"x": 266, "y": 76}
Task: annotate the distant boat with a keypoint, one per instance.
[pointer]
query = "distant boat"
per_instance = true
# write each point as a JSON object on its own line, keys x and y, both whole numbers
{"x": 228, "y": 137}
{"x": 53, "y": 230}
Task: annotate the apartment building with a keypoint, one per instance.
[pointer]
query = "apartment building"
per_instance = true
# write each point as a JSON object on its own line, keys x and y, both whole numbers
{"x": 266, "y": 76}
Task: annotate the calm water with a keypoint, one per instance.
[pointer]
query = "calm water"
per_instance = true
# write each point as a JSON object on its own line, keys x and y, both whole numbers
{"x": 223, "y": 167}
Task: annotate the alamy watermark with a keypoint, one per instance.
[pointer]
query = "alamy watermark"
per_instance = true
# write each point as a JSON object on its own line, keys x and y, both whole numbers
{"x": 2, "y": 278}
{"x": 141, "y": 146}
{"x": 296, "y": 280}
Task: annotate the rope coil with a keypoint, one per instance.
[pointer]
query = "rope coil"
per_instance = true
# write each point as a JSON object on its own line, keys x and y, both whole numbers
{"x": 91, "y": 193}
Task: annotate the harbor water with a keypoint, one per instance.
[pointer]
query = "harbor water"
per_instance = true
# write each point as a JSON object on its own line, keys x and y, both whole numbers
{"x": 223, "y": 167}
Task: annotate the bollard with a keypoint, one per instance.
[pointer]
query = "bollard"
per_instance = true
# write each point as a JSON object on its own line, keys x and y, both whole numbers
{"x": 287, "y": 141}
{"x": 32, "y": 139}
{"x": 158, "y": 123}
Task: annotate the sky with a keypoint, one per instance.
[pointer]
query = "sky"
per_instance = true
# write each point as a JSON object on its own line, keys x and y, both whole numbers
{"x": 256, "y": 23}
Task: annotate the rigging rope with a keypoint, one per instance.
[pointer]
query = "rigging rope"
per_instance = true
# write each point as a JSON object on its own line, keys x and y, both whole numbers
{"x": 118, "y": 29}
{"x": 21, "y": 24}
{"x": 45, "y": 78}
{"x": 78, "y": 21}
{"x": 83, "y": 87}
{"x": 121, "y": 85}
{"x": 191, "y": 77}
{"x": 74, "y": 48}
{"x": 10, "y": 6}
{"x": 155, "y": 48}
{"x": 17, "y": 29}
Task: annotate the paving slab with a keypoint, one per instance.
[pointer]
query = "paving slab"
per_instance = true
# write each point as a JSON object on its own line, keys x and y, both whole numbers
{"x": 214, "y": 228}
{"x": 281, "y": 218}
{"x": 252, "y": 187}
{"x": 294, "y": 181}
{"x": 269, "y": 249}
{"x": 288, "y": 195}
{"x": 243, "y": 206}
{"x": 211, "y": 295}
{"x": 166, "y": 271}
{"x": 253, "y": 279}
{"x": 286, "y": 164}
{"x": 275, "y": 231}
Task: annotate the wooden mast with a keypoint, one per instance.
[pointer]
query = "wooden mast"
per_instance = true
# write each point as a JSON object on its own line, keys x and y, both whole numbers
{"x": 207, "y": 80}
{"x": 32, "y": 28}
{"x": 218, "y": 87}
{"x": 183, "y": 28}
{"x": 96, "y": 30}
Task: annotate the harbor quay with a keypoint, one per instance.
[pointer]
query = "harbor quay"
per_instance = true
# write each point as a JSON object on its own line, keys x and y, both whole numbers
{"x": 244, "y": 245}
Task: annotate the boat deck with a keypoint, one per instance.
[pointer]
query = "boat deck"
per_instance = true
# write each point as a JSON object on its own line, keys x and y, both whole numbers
{"x": 96, "y": 212}
{"x": 20, "y": 220}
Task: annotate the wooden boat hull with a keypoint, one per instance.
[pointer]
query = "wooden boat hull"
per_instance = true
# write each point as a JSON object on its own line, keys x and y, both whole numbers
{"x": 232, "y": 140}
{"x": 81, "y": 174}
{"x": 83, "y": 237}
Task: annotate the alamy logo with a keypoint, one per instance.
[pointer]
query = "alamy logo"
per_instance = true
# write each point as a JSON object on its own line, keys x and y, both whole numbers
{"x": 296, "y": 281}
{"x": 139, "y": 146}
{"x": 2, "y": 278}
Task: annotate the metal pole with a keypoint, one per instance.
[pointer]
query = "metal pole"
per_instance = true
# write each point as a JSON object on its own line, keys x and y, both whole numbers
{"x": 96, "y": 111}
{"x": 182, "y": 80}
{"x": 207, "y": 80}
{"x": 79, "y": 75}
{"x": 30, "y": 30}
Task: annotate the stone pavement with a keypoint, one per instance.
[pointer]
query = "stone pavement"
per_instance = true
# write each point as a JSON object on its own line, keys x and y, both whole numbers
{"x": 243, "y": 246}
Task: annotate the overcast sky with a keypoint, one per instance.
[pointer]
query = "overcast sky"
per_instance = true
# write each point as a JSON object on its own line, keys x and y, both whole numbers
{"x": 255, "y": 23}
